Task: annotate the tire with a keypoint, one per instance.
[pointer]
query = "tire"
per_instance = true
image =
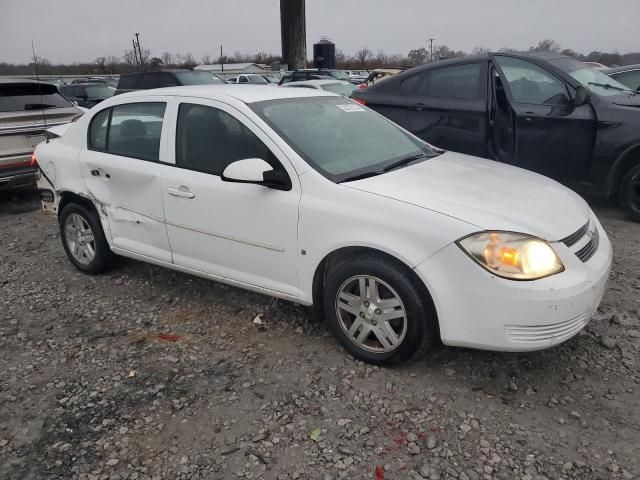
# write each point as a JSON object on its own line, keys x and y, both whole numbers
{"x": 400, "y": 304}
{"x": 78, "y": 247}
{"x": 630, "y": 193}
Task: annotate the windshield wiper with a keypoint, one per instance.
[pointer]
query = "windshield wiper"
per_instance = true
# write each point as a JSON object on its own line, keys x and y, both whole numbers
{"x": 360, "y": 176}
{"x": 406, "y": 161}
{"x": 608, "y": 86}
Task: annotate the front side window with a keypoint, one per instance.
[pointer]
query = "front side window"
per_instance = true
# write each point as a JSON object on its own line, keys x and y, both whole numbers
{"x": 129, "y": 130}
{"x": 338, "y": 137}
{"x": 243, "y": 79}
{"x": 532, "y": 84}
{"x": 209, "y": 139}
{"x": 459, "y": 81}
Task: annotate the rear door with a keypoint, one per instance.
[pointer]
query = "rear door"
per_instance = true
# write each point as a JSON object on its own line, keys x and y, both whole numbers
{"x": 448, "y": 107}
{"x": 552, "y": 136}
{"x": 121, "y": 169}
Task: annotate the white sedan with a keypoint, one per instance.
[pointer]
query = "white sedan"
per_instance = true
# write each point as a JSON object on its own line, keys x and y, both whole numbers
{"x": 307, "y": 196}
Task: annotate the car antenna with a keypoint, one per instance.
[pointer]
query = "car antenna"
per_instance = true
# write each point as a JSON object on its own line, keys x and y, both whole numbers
{"x": 44, "y": 117}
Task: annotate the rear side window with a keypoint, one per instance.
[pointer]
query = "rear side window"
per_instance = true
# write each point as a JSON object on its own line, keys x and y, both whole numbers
{"x": 27, "y": 97}
{"x": 459, "y": 81}
{"x": 130, "y": 82}
{"x": 158, "y": 80}
{"x": 130, "y": 130}
{"x": 209, "y": 139}
{"x": 98, "y": 130}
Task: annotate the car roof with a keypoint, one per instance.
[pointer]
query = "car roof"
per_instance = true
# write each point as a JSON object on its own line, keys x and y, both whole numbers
{"x": 21, "y": 81}
{"x": 168, "y": 70}
{"x": 243, "y": 93}
{"x": 328, "y": 81}
{"x": 624, "y": 68}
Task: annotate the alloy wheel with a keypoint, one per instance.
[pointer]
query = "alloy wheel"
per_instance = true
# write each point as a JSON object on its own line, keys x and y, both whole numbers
{"x": 371, "y": 314}
{"x": 80, "y": 239}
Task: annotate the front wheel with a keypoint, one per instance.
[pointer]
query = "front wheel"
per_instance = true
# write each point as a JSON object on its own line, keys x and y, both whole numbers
{"x": 377, "y": 311}
{"x": 630, "y": 193}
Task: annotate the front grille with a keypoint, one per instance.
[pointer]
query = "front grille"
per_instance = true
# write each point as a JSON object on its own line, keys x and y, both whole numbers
{"x": 576, "y": 236}
{"x": 586, "y": 252}
{"x": 546, "y": 333}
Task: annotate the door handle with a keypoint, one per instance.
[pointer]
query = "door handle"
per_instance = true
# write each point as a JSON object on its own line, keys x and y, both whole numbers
{"x": 100, "y": 172}
{"x": 182, "y": 191}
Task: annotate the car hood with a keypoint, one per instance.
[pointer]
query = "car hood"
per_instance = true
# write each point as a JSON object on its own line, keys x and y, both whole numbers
{"x": 627, "y": 100}
{"x": 487, "y": 194}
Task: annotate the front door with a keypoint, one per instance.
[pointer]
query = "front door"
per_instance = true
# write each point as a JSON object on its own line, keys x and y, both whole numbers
{"x": 448, "y": 108}
{"x": 552, "y": 136}
{"x": 242, "y": 232}
{"x": 120, "y": 167}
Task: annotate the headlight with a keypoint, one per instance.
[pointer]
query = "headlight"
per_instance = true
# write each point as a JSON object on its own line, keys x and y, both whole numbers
{"x": 512, "y": 255}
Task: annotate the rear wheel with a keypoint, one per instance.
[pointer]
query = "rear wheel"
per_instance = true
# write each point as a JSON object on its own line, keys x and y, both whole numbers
{"x": 83, "y": 239}
{"x": 377, "y": 312}
{"x": 630, "y": 193}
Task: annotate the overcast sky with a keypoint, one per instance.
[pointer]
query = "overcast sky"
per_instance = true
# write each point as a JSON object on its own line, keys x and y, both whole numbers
{"x": 81, "y": 30}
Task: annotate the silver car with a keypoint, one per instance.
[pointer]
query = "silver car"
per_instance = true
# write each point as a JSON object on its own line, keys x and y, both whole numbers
{"x": 27, "y": 108}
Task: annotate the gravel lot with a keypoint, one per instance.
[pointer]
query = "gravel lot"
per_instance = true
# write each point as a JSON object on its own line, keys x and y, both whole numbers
{"x": 145, "y": 373}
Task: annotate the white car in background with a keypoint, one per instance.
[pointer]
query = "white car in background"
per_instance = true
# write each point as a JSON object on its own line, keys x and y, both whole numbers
{"x": 334, "y": 86}
{"x": 250, "y": 78}
{"x": 308, "y": 196}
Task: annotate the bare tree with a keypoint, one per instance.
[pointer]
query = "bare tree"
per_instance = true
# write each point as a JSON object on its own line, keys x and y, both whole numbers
{"x": 547, "y": 45}
{"x": 417, "y": 56}
{"x": 101, "y": 64}
{"x": 188, "y": 61}
{"x": 480, "y": 50}
{"x": 341, "y": 58}
{"x": 362, "y": 55}
{"x": 111, "y": 62}
{"x": 167, "y": 58}
{"x": 206, "y": 60}
{"x": 129, "y": 57}
{"x": 381, "y": 57}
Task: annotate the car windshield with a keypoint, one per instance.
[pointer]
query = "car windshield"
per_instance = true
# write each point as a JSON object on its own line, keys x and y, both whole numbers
{"x": 338, "y": 137}
{"x": 99, "y": 91}
{"x": 344, "y": 89}
{"x": 340, "y": 75}
{"x": 197, "y": 78}
{"x": 21, "y": 97}
{"x": 595, "y": 80}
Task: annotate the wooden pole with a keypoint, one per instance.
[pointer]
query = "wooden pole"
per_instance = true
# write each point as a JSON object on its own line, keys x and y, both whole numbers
{"x": 294, "y": 33}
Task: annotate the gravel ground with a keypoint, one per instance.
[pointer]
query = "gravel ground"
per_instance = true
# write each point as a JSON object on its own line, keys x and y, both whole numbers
{"x": 145, "y": 373}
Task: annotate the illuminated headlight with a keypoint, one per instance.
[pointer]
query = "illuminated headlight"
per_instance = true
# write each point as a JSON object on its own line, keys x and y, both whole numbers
{"x": 512, "y": 255}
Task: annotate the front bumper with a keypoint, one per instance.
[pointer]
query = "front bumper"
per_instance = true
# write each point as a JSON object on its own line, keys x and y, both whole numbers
{"x": 479, "y": 310}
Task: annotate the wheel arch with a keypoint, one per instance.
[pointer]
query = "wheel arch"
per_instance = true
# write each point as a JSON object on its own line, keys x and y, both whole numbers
{"x": 340, "y": 254}
{"x": 67, "y": 197}
{"x": 625, "y": 162}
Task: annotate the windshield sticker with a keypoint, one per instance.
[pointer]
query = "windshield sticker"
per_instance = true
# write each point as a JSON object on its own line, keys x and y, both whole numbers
{"x": 349, "y": 107}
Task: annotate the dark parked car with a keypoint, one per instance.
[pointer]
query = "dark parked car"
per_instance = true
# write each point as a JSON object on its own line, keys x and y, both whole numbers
{"x": 130, "y": 82}
{"x": 628, "y": 75}
{"x": 27, "y": 109}
{"x": 87, "y": 94}
{"x": 544, "y": 112}
{"x": 313, "y": 74}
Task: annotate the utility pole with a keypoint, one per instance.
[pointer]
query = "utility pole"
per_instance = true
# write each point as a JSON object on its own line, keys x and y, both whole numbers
{"x": 431, "y": 47}
{"x": 293, "y": 32}
{"x": 221, "y": 59}
{"x": 139, "y": 49}
{"x": 135, "y": 53}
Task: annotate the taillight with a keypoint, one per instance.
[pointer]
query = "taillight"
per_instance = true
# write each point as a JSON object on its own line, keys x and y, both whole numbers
{"x": 360, "y": 101}
{"x": 362, "y": 86}
{"x": 34, "y": 160}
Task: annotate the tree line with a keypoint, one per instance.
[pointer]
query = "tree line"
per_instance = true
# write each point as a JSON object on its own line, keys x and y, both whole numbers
{"x": 365, "y": 59}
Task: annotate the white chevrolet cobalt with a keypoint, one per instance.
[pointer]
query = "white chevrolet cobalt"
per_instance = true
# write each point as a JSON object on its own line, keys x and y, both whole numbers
{"x": 307, "y": 196}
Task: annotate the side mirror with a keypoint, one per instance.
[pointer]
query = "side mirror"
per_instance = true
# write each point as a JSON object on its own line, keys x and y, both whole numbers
{"x": 581, "y": 97}
{"x": 256, "y": 171}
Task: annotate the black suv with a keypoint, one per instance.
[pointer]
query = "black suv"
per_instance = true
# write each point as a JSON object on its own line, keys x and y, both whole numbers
{"x": 544, "y": 112}
{"x": 87, "y": 94}
{"x": 312, "y": 74}
{"x": 130, "y": 82}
